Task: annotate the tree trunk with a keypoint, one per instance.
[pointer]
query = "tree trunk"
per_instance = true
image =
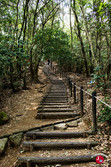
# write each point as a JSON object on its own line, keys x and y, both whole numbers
{"x": 71, "y": 26}
{"x": 88, "y": 36}
{"x": 31, "y": 65}
{"x": 36, "y": 72}
{"x": 80, "y": 38}
{"x": 11, "y": 77}
{"x": 16, "y": 24}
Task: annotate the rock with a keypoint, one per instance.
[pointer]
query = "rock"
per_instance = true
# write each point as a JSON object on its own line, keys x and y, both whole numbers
{"x": 110, "y": 138}
{"x": 47, "y": 128}
{"x": 79, "y": 120}
{"x": 58, "y": 165}
{"x": 72, "y": 124}
{"x": 60, "y": 126}
{"x": 15, "y": 139}
{"x": 3, "y": 144}
{"x": 4, "y": 118}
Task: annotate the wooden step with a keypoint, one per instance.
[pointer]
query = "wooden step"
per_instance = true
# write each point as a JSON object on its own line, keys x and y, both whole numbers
{"x": 54, "y": 97}
{"x": 57, "y": 83}
{"x": 58, "y": 91}
{"x": 58, "y": 88}
{"x": 55, "y": 160}
{"x": 35, "y": 135}
{"x": 57, "y": 98}
{"x": 58, "y": 115}
{"x": 53, "y": 103}
{"x": 54, "y": 106}
{"x": 57, "y": 94}
{"x": 57, "y": 101}
{"x": 55, "y": 110}
{"x": 28, "y": 145}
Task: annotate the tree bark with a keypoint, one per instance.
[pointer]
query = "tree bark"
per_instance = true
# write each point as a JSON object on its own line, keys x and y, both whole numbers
{"x": 88, "y": 36}
{"x": 80, "y": 38}
{"x": 71, "y": 26}
{"x": 16, "y": 24}
{"x": 25, "y": 20}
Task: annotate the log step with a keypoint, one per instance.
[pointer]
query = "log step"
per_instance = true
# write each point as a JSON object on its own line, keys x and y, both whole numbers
{"x": 35, "y": 135}
{"x": 56, "y": 160}
{"x": 58, "y": 88}
{"x": 52, "y": 103}
{"x": 55, "y": 115}
{"x": 55, "y": 110}
{"x": 55, "y": 101}
{"x": 57, "y": 95}
{"x": 58, "y": 85}
{"x": 58, "y": 145}
{"x": 57, "y": 91}
{"x": 63, "y": 94}
{"x": 57, "y": 82}
{"x": 54, "y": 106}
{"x": 60, "y": 97}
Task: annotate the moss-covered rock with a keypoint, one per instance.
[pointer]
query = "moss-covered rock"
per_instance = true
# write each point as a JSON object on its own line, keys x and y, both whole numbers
{"x": 3, "y": 144}
{"x": 15, "y": 139}
{"x": 4, "y": 118}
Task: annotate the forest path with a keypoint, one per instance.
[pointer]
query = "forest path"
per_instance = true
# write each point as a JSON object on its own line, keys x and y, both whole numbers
{"x": 59, "y": 144}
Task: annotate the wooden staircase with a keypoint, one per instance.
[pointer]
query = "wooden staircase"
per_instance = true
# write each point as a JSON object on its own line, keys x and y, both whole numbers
{"x": 60, "y": 145}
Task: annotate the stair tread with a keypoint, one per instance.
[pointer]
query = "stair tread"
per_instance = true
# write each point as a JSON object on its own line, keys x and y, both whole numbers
{"x": 58, "y": 160}
{"x": 53, "y": 109}
{"x": 58, "y": 134}
{"x": 57, "y": 113}
{"x": 59, "y": 143}
{"x": 92, "y": 156}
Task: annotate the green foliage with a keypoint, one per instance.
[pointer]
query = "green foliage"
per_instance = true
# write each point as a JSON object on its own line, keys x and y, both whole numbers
{"x": 54, "y": 44}
{"x": 3, "y": 118}
{"x": 98, "y": 77}
{"x": 105, "y": 114}
{"x": 29, "y": 33}
{"x": 13, "y": 62}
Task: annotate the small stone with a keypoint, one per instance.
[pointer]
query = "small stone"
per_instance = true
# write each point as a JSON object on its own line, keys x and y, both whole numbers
{"x": 3, "y": 144}
{"x": 58, "y": 165}
{"x": 60, "y": 126}
{"x": 16, "y": 139}
{"x": 72, "y": 124}
{"x": 110, "y": 138}
{"x": 47, "y": 128}
{"x": 79, "y": 120}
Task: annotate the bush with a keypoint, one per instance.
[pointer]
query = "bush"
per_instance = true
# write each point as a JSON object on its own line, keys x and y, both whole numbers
{"x": 4, "y": 118}
{"x": 105, "y": 115}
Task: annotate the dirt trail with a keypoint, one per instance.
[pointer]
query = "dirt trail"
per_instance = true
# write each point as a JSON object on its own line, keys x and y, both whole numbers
{"x": 22, "y": 109}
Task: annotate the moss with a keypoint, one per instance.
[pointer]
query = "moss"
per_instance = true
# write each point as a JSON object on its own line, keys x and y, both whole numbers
{"x": 3, "y": 118}
{"x": 3, "y": 144}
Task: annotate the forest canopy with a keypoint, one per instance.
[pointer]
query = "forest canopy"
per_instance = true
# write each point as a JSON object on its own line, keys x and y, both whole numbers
{"x": 33, "y": 30}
